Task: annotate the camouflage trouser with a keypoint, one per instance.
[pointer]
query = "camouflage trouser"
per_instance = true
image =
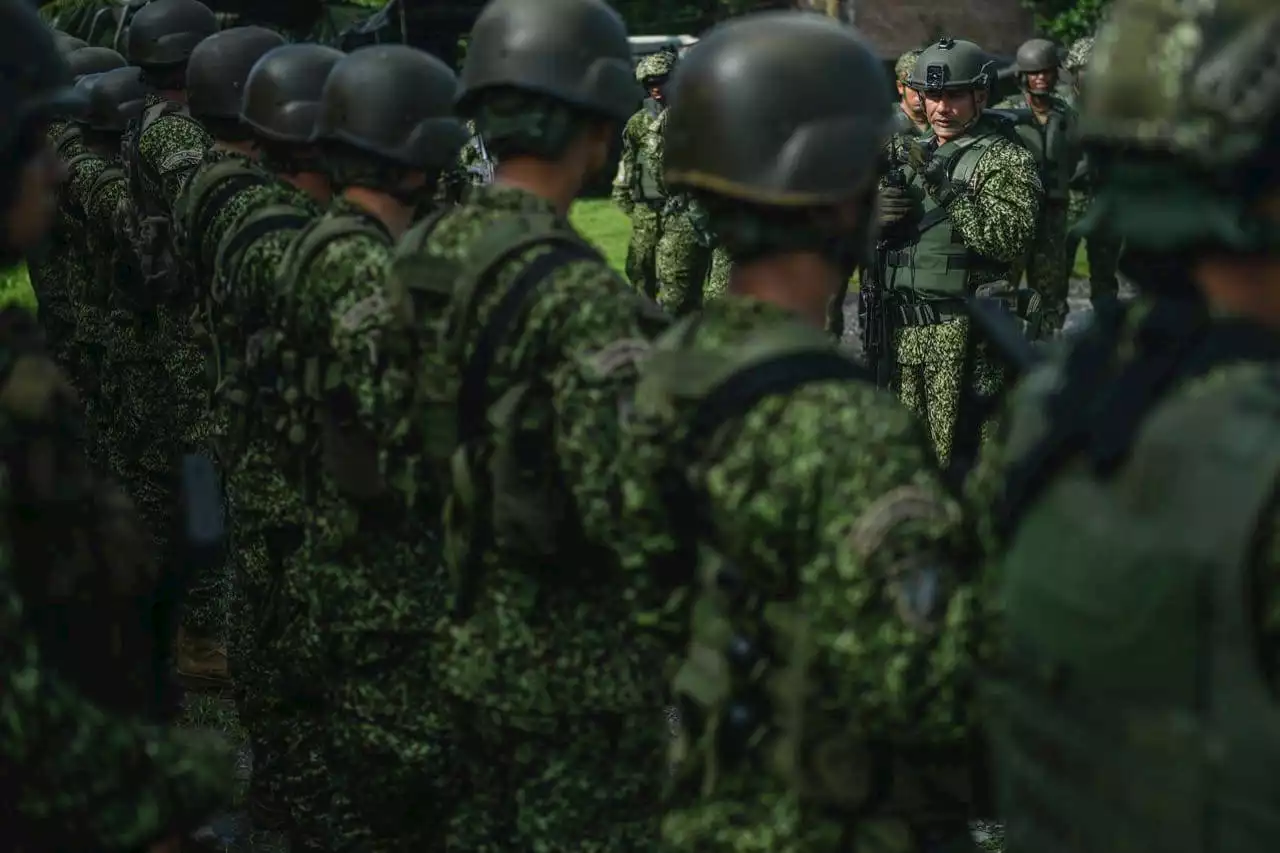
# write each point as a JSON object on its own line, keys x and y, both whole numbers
{"x": 1047, "y": 269}
{"x": 1103, "y": 253}
{"x": 589, "y": 784}
{"x": 718, "y": 280}
{"x": 929, "y": 375}
{"x": 682, "y": 261}
{"x": 642, "y": 251}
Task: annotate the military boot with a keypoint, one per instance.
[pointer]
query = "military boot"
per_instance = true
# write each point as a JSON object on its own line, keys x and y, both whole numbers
{"x": 201, "y": 662}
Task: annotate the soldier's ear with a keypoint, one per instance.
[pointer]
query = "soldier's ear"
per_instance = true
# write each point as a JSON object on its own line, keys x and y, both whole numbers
{"x": 981, "y": 97}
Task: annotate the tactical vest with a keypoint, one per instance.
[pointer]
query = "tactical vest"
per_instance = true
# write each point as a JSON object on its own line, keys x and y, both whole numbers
{"x": 303, "y": 381}
{"x": 81, "y": 557}
{"x": 246, "y": 381}
{"x": 1130, "y": 712}
{"x": 741, "y": 687}
{"x": 1051, "y": 144}
{"x": 646, "y": 183}
{"x": 936, "y": 263}
{"x": 477, "y": 445}
{"x": 149, "y": 226}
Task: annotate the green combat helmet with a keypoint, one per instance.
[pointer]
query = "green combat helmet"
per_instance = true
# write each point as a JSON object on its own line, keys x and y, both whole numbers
{"x": 282, "y": 95}
{"x": 952, "y": 65}
{"x": 116, "y": 98}
{"x": 575, "y": 51}
{"x": 1182, "y": 114}
{"x": 775, "y": 134}
{"x": 67, "y": 43}
{"x": 219, "y": 66}
{"x": 94, "y": 60}
{"x": 410, "y": 123}
{"x": 164, "y": 32}
{"x": 655, "y": 68}
{"x": 1078, "y": 55}
{"x": 905, "y": 65}
{"x": 1037, "y": 55}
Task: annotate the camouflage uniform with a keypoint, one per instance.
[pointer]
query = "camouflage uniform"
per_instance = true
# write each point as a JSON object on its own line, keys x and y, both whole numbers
{"x": 1101, "y": 250}
{"x": 84, "y": 766}
{"x": 58, "y": 272}
{"x": 799, "y": 645}
{"x": 992, "y": 209}
{"x": 669, "y": 254}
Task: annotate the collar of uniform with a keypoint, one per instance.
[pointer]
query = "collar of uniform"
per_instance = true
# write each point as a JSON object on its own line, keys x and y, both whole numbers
{"x": 509, "y": 199}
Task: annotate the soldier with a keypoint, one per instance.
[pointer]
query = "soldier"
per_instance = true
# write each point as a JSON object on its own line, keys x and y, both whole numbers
{"x": 160, "y": 151}
{"x": 910, "y": 119}
{"x": 960, "y": 216}
{"x": 787, "y": 638}
{"x": 281, "y": 102}
{"x": 1102, "y": 250}
{"x": 60, "y": 271}
{"x": 1134, "y": 512}
{"x": 1046, "y": 125}
{"x": 85, "y": 765}
{"x": 387, "y": 131}
{"x": 670, "y": 249}
{"x": 524, "y": 340}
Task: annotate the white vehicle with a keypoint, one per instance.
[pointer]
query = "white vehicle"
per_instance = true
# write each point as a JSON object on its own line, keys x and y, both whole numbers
{"x": 642, "y": 46}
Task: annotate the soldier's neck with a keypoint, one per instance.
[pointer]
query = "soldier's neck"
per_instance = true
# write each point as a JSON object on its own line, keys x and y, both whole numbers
{"x": 920, "y": 125}
{"x": 545, "y": 179}
{"x": 177, "y": 96}
{"x": 799, "y": 282}
{"x": 314, "y": 184}
{"x": 393, "y": 215}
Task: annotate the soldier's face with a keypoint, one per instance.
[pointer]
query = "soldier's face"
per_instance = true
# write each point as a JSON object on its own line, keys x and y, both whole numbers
{"x": 655, "y": 88}
{"x": 31, "y": 214}
{"x": 951, "y": 112}
{"x": 1042, "y": 81}
{"x": 913, "y": 102}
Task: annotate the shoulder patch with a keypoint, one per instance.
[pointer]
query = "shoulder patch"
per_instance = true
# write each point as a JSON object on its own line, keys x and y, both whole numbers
{"x": 183, "y": 159}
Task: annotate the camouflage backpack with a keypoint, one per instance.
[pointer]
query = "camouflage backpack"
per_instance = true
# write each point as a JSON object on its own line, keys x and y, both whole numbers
{"x": 747, "y": 653}
{"x": 501, "y": 488}
{"x": 303, "y": 382}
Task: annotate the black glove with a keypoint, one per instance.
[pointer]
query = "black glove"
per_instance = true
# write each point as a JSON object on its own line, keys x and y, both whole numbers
{"x": 935, "y": 172}
{"x": 896, "y": 206}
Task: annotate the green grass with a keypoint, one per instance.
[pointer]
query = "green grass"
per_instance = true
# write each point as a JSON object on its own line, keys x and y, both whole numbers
{"x": 601, "y": 222}
{"x": 15, "y": 288}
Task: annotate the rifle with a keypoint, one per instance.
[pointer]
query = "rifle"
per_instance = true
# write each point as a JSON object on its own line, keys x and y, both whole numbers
{"x": 989, "y": 321}
{"x": 873, "y": 307}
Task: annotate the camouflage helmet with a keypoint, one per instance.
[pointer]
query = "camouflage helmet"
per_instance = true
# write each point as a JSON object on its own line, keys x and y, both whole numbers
{"x": 1182, "y": 111}
{"x": 656, "y": 66}
{"x": 906, "y": 64}
{"x": 1078, "y": 55}
{"x": 394, "y": 102}
{"x": 575, "y": 51}
{"x": 115, "y": 98}
{"x": 219, "y": 66}
{"x": 94, "y": 60}
{"x": 753, "y": 116}
{"x": 282, "y": 95}
{"x": 164, "y": 32}
{"x": 952, "y": 65}
{"x": 67, "y": 43}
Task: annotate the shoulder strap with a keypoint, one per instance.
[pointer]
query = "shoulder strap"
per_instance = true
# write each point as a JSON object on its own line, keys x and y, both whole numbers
{"x": 68, "y": 135}
{"x": 307, "y": 246}
{"x": 109, "y": 174}
{"x": 473, "y": 390}
{"x": 260, "y": 223}
{"x": 415, "y": 239}
{"x": 80, "y": 158}
{"x": 215, "y": 187}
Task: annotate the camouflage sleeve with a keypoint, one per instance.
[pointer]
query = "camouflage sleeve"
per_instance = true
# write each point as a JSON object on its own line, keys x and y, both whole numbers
{"x": 626, "y": 166}
{"x": 173, "y": 147}
{"x": 81, "y": 181}
{"x": 997, "y": 216}
{"x": 88, "y": 780}
{"x": 586, "y": 325}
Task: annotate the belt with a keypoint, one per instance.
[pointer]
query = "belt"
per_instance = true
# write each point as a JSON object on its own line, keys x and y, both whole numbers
{"x": 900, "y": 259}
{"x": 936, "y": 311}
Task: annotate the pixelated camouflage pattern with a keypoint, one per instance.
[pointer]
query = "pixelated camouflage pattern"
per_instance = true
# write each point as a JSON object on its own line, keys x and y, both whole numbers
{"x": 79, "y": 777}
{"x": 996, "y": 216}
{"x": 718, "y": 280}
{"x": 905, "y": 65}
{"x": 1078, "y": 54}
{"x": 682, "y": 260}
{"x": 558, "y": 696}
{"x": 57, "y": 271}
{"x": 642, "y": 250}
{"x": 801, "y": 450}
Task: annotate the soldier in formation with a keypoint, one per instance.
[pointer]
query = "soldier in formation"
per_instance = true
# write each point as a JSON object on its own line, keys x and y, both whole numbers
{"x": 670, "y": 250}
{"x": 490, "y": 509}
{"x": 1046, "y": 125}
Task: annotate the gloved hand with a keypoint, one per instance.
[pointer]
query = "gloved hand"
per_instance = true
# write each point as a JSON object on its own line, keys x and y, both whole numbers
{"x": 935, "y": 171}
{"x": 896, "y": 205}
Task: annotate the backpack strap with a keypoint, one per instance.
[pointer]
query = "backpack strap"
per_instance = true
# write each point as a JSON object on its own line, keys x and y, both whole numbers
{"x": 251, "y": 229}
{"x": 310, "y": 242}
{"x": 69, "y": 135}
{"x": 216, "y": 186}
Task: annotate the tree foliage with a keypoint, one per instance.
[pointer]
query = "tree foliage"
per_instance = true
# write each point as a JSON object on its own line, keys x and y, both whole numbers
{"x": 1067, "y": 20}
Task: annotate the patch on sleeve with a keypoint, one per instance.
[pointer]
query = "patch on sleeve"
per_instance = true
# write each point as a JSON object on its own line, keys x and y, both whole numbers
{"x": 177, "y": 161}
{"x": 618, "y": 355}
